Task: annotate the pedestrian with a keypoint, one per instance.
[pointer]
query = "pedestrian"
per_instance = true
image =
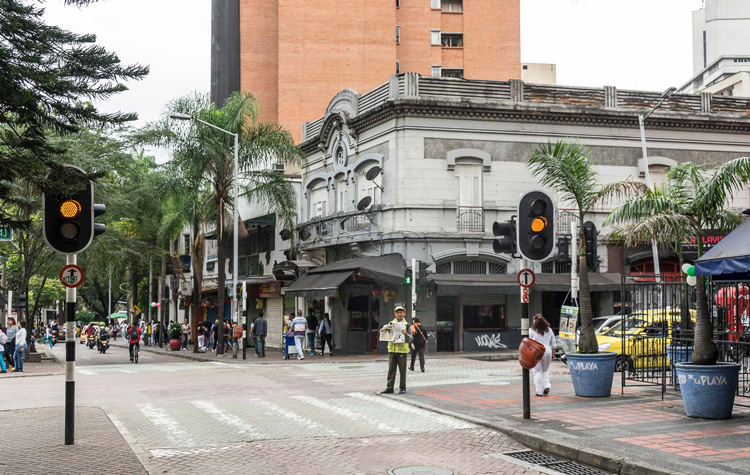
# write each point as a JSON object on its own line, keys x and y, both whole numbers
{"x": 214, "y": 334}
{"x": 206, "y": 324}
{"x": 299, "y": 325}
{"x": 10, "y": 345}
{"x": 540, "y": 331}
{"x": 255, "y": 337}
{"x": 312, "y": 325}
{"x": 419, "y": 344}
{"x": 20, "y": 347}
{"x": 47, "y": 335}
{"x": 3, "y": 341}
{"x": 201, "y": 337}
{"x": 398, "y": 348}
{"x": 261, "y": 331}
{"x": 285, "y": 333}
{"x": 326, "y": 334}
{"x": 134, "y": 339}
{"x": 185, "y": 327}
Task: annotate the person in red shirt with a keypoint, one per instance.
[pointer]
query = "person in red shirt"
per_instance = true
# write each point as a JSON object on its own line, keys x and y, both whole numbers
{"x": 134, "y": 338}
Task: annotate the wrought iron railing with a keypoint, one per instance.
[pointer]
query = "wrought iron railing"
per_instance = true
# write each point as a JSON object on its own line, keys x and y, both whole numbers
{"x": 470, "y": 218}
{"x": 338, "y": 225}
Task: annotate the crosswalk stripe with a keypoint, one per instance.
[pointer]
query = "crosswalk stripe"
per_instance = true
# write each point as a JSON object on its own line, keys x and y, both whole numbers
{"x": 159, "y": 418}
{"x": 85, "y": 371}
{"x": 439, "y": 418}
{"x": 310, "y": 424}
{"x": 227, "y": 418}
{"x": 348, "y": 413}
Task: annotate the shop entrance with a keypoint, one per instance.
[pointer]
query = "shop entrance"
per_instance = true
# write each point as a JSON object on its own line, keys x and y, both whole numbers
{"x": 364, "y": 323}
{"x": 447, "y": 316}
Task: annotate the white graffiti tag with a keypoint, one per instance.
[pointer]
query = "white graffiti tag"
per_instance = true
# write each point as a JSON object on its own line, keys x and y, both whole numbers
{"x": 489, "y": 341}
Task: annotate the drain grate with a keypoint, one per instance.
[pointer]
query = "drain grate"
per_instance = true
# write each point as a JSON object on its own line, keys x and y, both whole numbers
{"x": 552, "y": 463}
{"x": 421, "y": 471}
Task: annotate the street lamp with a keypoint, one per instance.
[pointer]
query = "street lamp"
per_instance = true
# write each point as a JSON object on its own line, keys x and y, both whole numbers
{"x": 641, "y": 120}
{"x": 235, "y": 247}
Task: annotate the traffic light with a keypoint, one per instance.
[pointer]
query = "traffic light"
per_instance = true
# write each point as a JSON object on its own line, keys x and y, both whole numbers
{"x": 563, "y": 250}
{"x": 422, "y": 274}
{"x": 505, "y": 237}
{"x": 21, "y": 301}
{"x": 69, "y": 218}
{"x": 536, "y": 226}
{"x": 407, "y": 278}
{"x": 2, "y": 301}
{"x": 590, "y": 235}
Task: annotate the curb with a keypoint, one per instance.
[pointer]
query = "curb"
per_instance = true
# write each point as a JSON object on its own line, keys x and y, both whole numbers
{"x": 591, "y": 457}
{"x": 140, "y": 454}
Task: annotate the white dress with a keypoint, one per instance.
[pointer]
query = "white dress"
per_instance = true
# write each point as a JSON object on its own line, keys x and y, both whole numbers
{"x": 541, "y": 370}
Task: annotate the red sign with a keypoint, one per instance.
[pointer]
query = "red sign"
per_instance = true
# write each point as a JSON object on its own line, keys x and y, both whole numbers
{"x": 270, "y": 290}
{"x": 524, "y": 295}
{"x": 526, "y": 278}
{"x": 71, "y": 276}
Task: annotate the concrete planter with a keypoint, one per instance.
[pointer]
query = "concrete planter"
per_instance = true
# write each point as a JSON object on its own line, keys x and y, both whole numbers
{"x": 708, "y": 391}
{"x": 592, "y": 374}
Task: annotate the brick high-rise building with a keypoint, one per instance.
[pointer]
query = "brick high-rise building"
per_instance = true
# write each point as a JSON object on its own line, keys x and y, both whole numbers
{"x": 295, "y": 54}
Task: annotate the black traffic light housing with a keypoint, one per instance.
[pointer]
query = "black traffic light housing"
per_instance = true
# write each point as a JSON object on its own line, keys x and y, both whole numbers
{"x": 536, "y": 226}
{"x": 505, "y": 237}
{"x": 69, "y": 218}
{"x": 563, "y": 249}
{"x": 590, "y": 235}
{"x": 422, "y": 272}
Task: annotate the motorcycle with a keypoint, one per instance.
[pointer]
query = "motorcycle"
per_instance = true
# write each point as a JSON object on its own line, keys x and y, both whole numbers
{"x": 103, "y": 344}
{"x": 54, "y": 336}
{"x": 90, "y": 341}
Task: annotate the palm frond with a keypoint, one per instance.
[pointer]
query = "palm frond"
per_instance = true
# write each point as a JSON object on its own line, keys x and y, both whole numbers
{"x": 664, "y": 228}
{"x": 618, "y": 190}
{"x": 640, "y": 207}
{"x": 564, "y": 167}
{"x": 725, "y": 180}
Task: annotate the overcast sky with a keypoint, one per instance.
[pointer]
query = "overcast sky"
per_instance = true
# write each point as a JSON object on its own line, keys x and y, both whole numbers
{"x": 631, "y": 44}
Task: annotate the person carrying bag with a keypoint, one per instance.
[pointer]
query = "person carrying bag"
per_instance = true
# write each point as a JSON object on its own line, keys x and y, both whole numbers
{"x": 418, "y": 345}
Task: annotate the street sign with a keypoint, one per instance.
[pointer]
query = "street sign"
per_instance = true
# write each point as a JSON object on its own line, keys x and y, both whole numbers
{"x": 6, "y": 233}
{"x": 526, "y": 278}
{"x": 136, "y": 310}
{"x": 71, "y": 276}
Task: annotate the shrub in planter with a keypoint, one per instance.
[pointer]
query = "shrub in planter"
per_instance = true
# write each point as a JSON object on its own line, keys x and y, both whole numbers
{"x": 175, "y": 333}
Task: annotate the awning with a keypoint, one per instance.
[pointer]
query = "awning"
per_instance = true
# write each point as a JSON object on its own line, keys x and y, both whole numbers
{"x": 266, "y": 220}
{"x": 317, "y": 285}
{"x": 389, "y": 269}
{"x": 258, "y": 279}
{"x": 730, "y": 256}
{"x": 505, "y": 284}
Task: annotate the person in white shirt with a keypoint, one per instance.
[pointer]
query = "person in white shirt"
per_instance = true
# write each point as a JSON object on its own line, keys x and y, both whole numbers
{"x": 541, "y": 332}
{"x": 20, "y": 347}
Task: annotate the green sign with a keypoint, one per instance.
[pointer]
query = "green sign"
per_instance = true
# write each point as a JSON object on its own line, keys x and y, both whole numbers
{"x": 6, "y": 233}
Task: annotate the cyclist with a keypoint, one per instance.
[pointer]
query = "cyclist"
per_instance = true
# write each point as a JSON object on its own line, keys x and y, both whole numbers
{"x": 134, "y": 338}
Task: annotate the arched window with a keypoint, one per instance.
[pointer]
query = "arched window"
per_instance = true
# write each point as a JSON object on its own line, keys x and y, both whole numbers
{"x": 470, "y": 266}
{"x": 342, "y": 204}
{"x": 469, "y": 195}
{"x": 318, "y": 202}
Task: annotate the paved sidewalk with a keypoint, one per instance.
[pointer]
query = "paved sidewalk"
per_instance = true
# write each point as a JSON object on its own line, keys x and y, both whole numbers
{"x": 635, "y": 432}
{"x": 34, "y": 444}
{"x": 274, "y": 356}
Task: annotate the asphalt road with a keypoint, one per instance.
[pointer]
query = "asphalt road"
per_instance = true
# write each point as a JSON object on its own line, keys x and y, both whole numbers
{"x": 206, "y": 417}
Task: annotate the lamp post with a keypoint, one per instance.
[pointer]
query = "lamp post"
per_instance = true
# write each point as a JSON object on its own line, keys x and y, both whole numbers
{"x": 641, "y": 121}
{"x": 235, "y": 244}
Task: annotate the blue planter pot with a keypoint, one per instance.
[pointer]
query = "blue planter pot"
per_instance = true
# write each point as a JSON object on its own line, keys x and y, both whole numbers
{"x": 592, "y": 373}
{"x": 679, "y": 354}
{"x": 708, "y": 391}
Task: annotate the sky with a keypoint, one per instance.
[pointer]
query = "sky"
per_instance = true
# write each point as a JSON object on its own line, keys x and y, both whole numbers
{"x": 633, "y": 44}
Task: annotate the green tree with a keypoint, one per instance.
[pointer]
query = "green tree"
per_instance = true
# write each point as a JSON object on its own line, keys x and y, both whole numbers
{"x": 48, "y": 76}
{"x": 693, "y": 201}
{"x": 202, "y": 151}
{"x": 566, "y": 168}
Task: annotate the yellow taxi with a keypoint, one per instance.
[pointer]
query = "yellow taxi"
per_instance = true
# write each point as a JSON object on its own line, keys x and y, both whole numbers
{"x": 645, "y": 334}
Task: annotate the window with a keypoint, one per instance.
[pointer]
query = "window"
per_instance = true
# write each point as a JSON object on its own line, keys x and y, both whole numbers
{"x": 436, "y": 71}
{"x": 435, "y": 4}
{"x": 452, "y": 73}
{"x": 454, "y": 6}
{"x": 318, "y": 202}
{"x": 469, "y": 183}
{"x": 398, "y": 34}
{"x": 435, "y": 37}
{"x": 398, "y": 3}
{"x": 186, "y": 238}
{"x": 452, "y": 40}
{"x": 484, "y": 317}
{"x": 658, "y": 175}
{"x": 366, "y": 187}
{"x": 525, "y": 67}
{"x": 470, "y": 267}
{"x": 341, "y": 204}
{"x": 398, "y": 67}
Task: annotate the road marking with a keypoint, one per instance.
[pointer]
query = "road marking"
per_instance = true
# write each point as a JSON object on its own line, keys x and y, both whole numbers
{"x": 227, "y": 418}
{"x": 431, "y": 416}
{"x": 85, "y": 371}
{"x": 159, "y": 417}
{"x": 310, "y": 424}
{"x": 127, "y": 371}
{"x": 167, "y": 453}
{"x": 349, "y": 414}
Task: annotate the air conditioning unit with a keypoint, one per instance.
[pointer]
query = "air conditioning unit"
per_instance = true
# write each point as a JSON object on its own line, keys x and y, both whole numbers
{"x": 279, "y": 167}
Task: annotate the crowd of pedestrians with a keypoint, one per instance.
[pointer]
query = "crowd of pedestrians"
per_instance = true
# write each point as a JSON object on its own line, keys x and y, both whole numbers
{"x": 13, "y": 346}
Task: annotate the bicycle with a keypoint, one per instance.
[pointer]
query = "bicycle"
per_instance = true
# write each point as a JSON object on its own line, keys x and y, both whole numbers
{"x": 135, "y": 354}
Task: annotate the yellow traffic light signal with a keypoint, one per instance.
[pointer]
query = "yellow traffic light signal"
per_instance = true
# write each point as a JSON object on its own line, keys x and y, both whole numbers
{"x": 70, "y": 209}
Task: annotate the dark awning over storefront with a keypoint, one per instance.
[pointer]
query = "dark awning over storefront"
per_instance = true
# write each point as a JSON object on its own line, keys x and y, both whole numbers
{"x": 730, "y": 256}
{"x": 481, "y": 284}
{"x": 324, "y": 281}
{"x": 317, "y": 285}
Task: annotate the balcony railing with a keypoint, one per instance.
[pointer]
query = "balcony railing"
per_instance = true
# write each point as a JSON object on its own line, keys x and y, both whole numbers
{"x": 336, "y": 226}
{"x": 470, "y": 218}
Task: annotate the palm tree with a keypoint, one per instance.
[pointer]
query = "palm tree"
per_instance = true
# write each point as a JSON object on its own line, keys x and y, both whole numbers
{"x": 566, "y": 168}
{"x": 692, "y": 201}
{"x": 202, "y": 151}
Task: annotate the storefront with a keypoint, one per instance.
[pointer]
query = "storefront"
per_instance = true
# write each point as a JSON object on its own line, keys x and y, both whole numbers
{"x": 358, "y": 292}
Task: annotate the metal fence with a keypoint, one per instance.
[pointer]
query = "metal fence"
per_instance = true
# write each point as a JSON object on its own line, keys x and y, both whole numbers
{"x": 657, "y": 329}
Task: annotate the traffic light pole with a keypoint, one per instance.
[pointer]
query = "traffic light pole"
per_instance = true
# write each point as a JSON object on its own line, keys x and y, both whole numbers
{"x": 413, "y": 289}
{"x": 525, "y": 333}
{"x": 70, "y": 358}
